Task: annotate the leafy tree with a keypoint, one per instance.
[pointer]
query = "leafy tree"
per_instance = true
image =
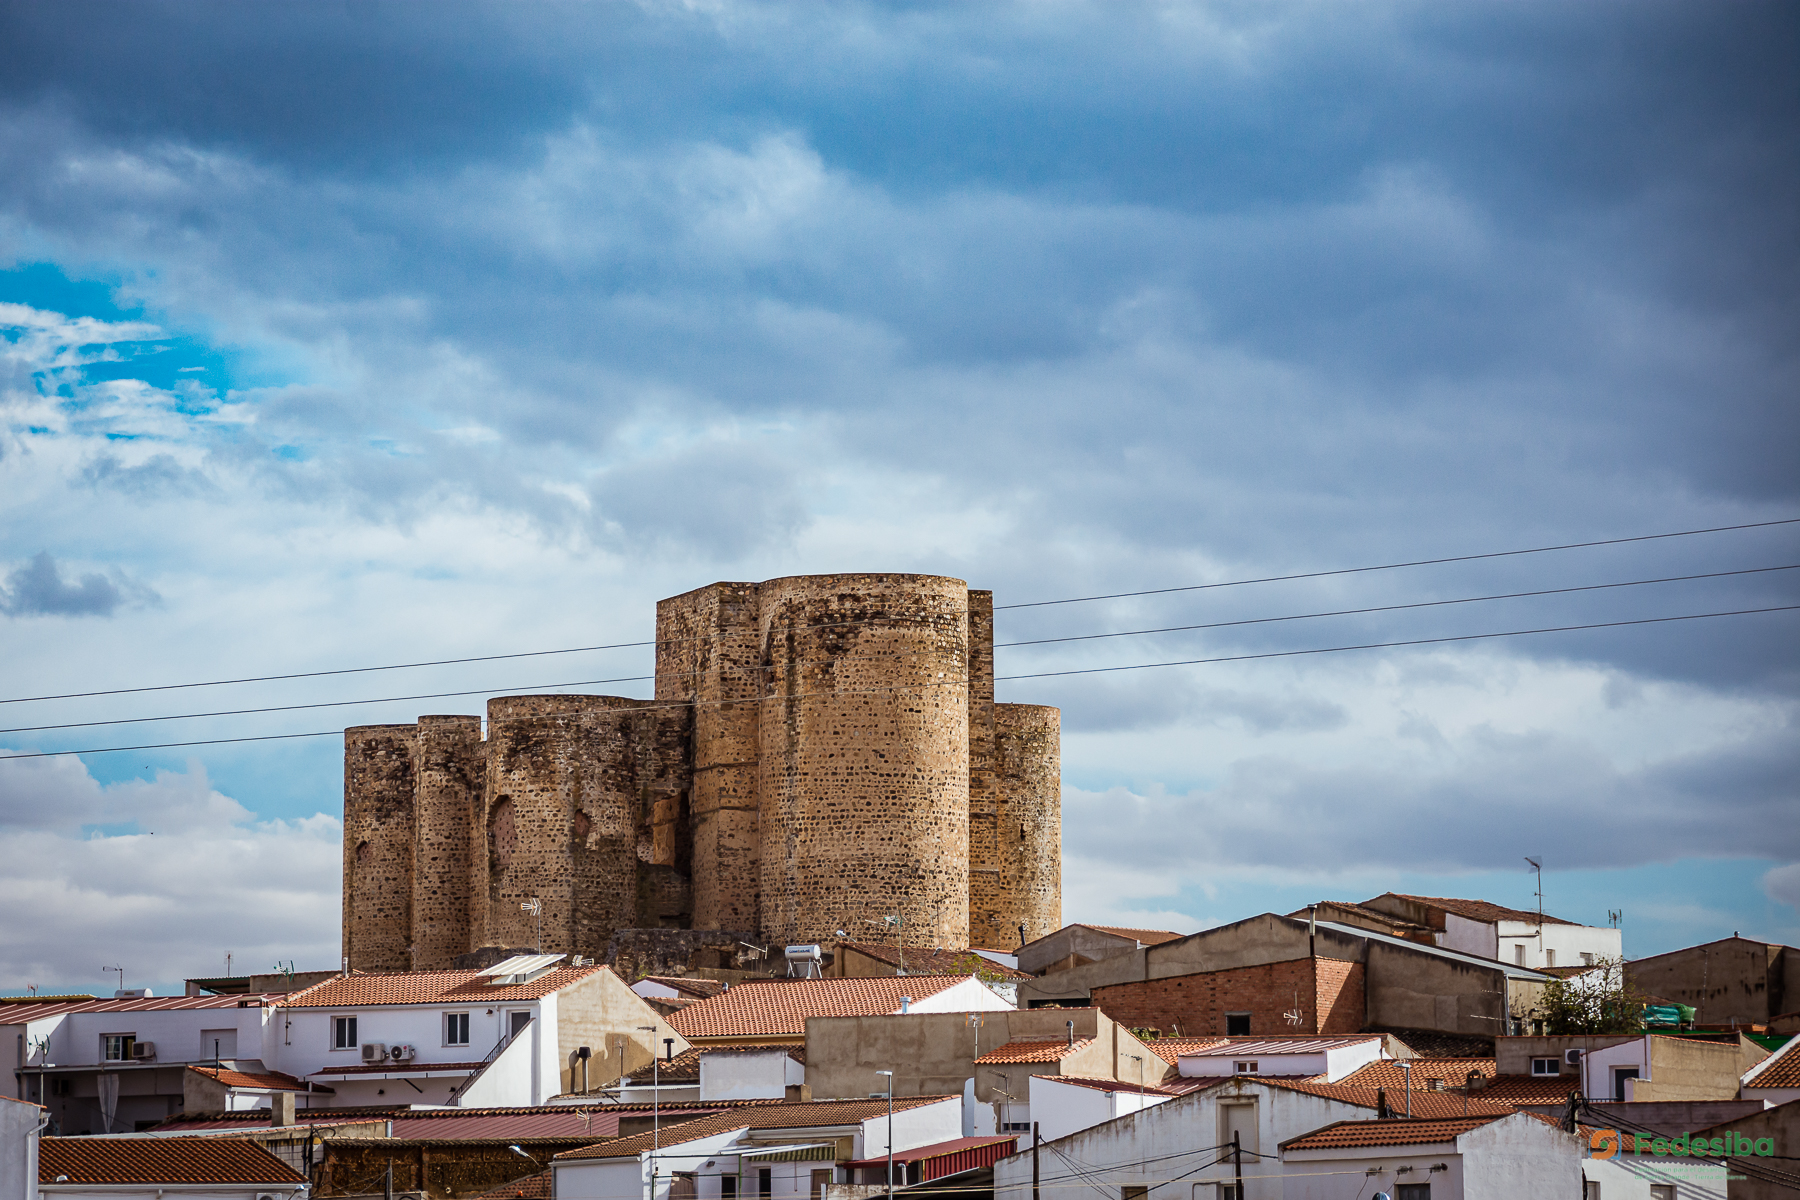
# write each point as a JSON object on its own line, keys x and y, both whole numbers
{"x": 981, "y": 968}
{"x": 1600, "y": 1000}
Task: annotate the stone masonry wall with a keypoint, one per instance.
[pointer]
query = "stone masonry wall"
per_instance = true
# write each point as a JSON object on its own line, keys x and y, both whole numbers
{"x": 1028, "y": 824}
{"x": 1195, "y": 1005}
{"x": 448, "y": 787}
{"x": 379, "y": 828}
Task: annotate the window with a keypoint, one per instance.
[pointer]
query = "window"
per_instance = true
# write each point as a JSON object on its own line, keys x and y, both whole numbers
{"x": 682, "y": 1186}
{"x": 1244, "y": 1066}
{"x": 1587, "y": 960}
{"x": 1237, "y": 1024}
{"x": 1590, "y": 1190}
{"x": 1015, "y": 1127}
{"x": 1132, "y": 1191}
{"x": 1549, "y": 958}
{"x": 116, "y": 1047}
{"x": 1546, "y": 1066}
{"x": 516, "y": 1023}
{"x": 1662, "y": 1191}
{"x": 1227, "y": 1191}
{"x": 765, "y": 1182}
{"x": 343, "y": 1033}
{"x": 1519, "y": 955}
{"x": 728, "y": 1187}
{"x": 456, "y": 1029}
{"x": 1413, "y": 1191}
{"x": 1622, "y": 1091}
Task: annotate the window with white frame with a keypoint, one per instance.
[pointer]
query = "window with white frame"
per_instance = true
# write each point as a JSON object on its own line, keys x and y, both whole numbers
{"x": 343, "y": 1033}
{"x": 1549, "y": 958}
{"x": 456, "y": 1029}
{"x": 1245, "y": 1066}
{"x": 1587, "y": 960}
{"x": 1546, "y": 1066}
{"x": 116, "y": 1047}
{"x": 1519, "y": 954}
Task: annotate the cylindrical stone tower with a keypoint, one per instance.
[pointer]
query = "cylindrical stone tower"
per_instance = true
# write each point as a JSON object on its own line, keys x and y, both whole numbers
{"x": 450, "y": 765}
{"x": 379, "y": 773}
{"x": 1028, "y": 755}
{"x": 552, "y": 765}
{"x": 864, "y": 748}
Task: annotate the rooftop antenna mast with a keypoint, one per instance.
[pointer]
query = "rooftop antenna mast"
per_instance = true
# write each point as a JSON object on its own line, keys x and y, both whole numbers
{"x": 535, "y": 907}
{"x": 120, "y": 970}
{"x": 1537, "y": 864}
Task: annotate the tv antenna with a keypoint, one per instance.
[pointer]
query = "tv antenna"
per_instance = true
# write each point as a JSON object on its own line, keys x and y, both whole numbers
{"x": 120, "y": 970}
{"x": 535, "y": 907}
{"x": 1614, "y": 916}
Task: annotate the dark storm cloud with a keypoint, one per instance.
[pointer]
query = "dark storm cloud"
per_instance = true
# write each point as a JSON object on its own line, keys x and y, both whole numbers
{"x": 38, "y": 588}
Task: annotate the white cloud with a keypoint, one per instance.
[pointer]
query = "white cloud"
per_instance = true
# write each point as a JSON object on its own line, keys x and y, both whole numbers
{"x": 1782, "y": 885}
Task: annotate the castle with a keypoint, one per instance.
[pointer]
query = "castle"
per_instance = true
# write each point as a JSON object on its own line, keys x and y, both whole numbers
{"x": 823, "y": 752}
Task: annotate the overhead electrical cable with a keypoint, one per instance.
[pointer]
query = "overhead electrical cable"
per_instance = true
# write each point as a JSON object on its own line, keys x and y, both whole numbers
{"x": 651, "y": 706}
{"x": 541, "y": 687}
{"x": 165, "y": 687}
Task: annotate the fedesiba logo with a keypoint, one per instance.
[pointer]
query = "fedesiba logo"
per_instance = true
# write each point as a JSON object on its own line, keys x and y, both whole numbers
{"x": 1607, "y": 1143}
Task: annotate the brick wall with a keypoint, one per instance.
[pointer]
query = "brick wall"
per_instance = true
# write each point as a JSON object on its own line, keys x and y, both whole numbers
{"x": 1195, "y": 1005}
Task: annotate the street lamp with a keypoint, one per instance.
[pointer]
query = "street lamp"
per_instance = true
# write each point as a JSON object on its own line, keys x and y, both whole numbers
{"x": 890, "y": 1140}
{"x": 655, "y": 1106}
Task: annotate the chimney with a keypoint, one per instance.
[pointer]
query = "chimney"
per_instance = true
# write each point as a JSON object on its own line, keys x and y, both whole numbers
{"x": 906, "y": 1004}
{"x": 281, "y": 1108}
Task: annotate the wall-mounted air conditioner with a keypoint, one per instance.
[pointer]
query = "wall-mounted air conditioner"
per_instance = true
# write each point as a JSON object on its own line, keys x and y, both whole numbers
{"x": 374, "y": 1052}
{"x": 143, "y": 1051}
{"x": 1572, "y": 1057}
{"x": 401, "y": 1053}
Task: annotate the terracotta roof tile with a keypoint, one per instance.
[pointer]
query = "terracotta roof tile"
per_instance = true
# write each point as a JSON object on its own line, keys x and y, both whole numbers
{"x": 1170, "y": 1050}
{"x": 1035, "y": 1050}
{"x": 773, "y": 1007}
{"x": 939, "y": 962}
{"x": 273, "y": 1081}
{"x": 1481, "y": 910}
{"x": 1424, "y": 1104}
{"x": 1149, "y": 937}
{"x": 683, "y": 1068}
{"x": 1280, "y": 1045}
{"x": 1782, "y": 1070}
{"x": 1108, "y": 1085}
{"x": 1528, "y": 1089}
{"x": 693, "y": 987}
{"x": 86, "y": 1160}
{"x": 51, "y": 1007}
{"x": 429, "y": 987}
{"x": 1348, "y": 1134}
{"x": 532, "y": 1187}
{"x": 1388, "y": 1072}
{"x": 803, "y": 1115}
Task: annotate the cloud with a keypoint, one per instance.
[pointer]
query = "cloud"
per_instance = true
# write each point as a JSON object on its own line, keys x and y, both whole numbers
{"x": 177, "y": 875}
{"x": 39, "y": 589}
{"x": 1782, "y": 885}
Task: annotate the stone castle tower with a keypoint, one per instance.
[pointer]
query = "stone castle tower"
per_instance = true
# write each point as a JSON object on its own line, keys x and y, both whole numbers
{"x": 822, "y": 751}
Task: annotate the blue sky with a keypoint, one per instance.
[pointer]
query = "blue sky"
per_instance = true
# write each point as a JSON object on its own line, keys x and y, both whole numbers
{"x": 334, "y": 335}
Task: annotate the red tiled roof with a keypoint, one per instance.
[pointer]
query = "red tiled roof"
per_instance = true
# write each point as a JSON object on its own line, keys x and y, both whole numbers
{"x": 1170, "y": 1050}
{"x": 1348, "y": 1134}
{"x": 937, "y": 962}
{"x": 1424, "y": 1104}
{"x": 772, "y": 1007}
{"x": 87, "y": 1160}
{"x": 1481, "y": 910}
{"x": 785, "y": 1115}
{"x": 1149, "y": 937}
{"x": 429, "y": 987}
{"x": 532, "y": 1187}
{"x": 951, "y": 1157}
{"x": 1527, "y": 1089}
{"x": 1035, "y": 1050}
{"x": 1780, "y": 1071}
{"x": 1271, "y": 1045}
{"x": 50, "y": 1007}
{"x": 693, "y": 987}
{"x": 273, "y": 1081}
{"x": 1108, "y": 1085}
{"x": 1388, "y": 1072}
{"x": 683, "y": 1068}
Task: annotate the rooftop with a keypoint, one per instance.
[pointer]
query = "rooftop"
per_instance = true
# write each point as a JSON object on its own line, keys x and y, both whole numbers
{"x": 273, "y": 1081}
{"x": 1147, "y": 937}
{"x": 1424, "y": 1104}
{"x": 1480, "y": 910}
{"x": 806, "y": 1114}
{"x": 937, "y": 962}
{"x": 1353, "y": 1134}
{"x": 692, "y": 987}
{"x": 87, "y": 1160}
{"x": 1272, "y": 1045}
{"x": 469, "y": 986}
{"x": 1779, "y": 1070}
{"x": 775, "y": 1007}
{"x": 1170, "y": 1050}
{"x": 1035, "y": 1050}
{"x": 1390, "y": 1073}
{"x": 1107, "y": 1085}
{"x": 53, "y": 1006}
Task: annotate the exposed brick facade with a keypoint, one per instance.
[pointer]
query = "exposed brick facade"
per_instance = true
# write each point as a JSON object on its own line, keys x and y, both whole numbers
{"x": 1327, "y": 992}
{"x": 823, "y": 751}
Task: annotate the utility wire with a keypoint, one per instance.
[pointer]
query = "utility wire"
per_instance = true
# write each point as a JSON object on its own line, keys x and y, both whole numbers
{"x": 1353, "y": 612}
{"x": 651, "y": 706}
{"x": 1422, "y": 562}
{"x": 539, "y": 687}
{"x": 998, "y": 608}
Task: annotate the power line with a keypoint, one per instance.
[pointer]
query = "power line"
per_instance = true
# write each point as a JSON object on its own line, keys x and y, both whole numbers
{"x": 1379, "y": 608}
{"x": 538, "y": 687}
{"x": 1466, "y": 637}
{"x": 648, "y": 706}
{"x": 828, "y": 625}
{"x": 1422, "y": 562}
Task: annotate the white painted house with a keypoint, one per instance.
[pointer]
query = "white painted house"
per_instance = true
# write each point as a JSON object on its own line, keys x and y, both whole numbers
{"x": 1061, "y": 1104}
{"x": 770, "y": 1152}
{"x": 21, "y": 1123}
{"x": 1453, "y": 1158}
{"x": 1331, "y": 1057}
{"x": 507, "y": 1035}
{"x": 1511, "y": 935}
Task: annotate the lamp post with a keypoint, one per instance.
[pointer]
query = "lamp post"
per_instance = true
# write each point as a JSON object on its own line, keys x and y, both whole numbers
{"x": 655, "y": 1108}
{"x": 890, "y": 1135}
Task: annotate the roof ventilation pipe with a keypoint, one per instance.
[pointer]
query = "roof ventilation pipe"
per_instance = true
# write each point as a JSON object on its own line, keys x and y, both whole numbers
{"x": 1071, "y": 1026}
{"x": 906, "y": 1004}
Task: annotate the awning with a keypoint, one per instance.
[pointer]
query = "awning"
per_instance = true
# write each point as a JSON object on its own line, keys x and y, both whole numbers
{"x": 822, "y": 1152}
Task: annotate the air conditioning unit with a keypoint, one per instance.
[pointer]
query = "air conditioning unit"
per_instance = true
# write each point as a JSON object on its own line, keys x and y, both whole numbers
{"x": 1572, "y": 1057}
{"x": 401, "y": 1053}
{"x": 374, "y": 1052}
{"x": 143, "y": 1050}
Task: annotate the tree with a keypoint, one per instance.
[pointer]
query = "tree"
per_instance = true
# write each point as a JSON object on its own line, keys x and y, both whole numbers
{"x": 1600, "y": 1000}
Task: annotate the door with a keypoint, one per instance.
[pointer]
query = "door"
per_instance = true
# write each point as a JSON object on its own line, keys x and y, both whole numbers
{"x": 765, "y": 1182}
{"x": 516, "y": 1023}
{"x": 1239, "y": 1119}
{"x": 1620, "y": 1075}
{"x": 820, "y": 1181}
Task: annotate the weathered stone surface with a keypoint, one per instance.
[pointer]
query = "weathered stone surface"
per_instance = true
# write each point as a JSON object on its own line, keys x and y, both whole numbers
{"x": 822, "y": 752}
